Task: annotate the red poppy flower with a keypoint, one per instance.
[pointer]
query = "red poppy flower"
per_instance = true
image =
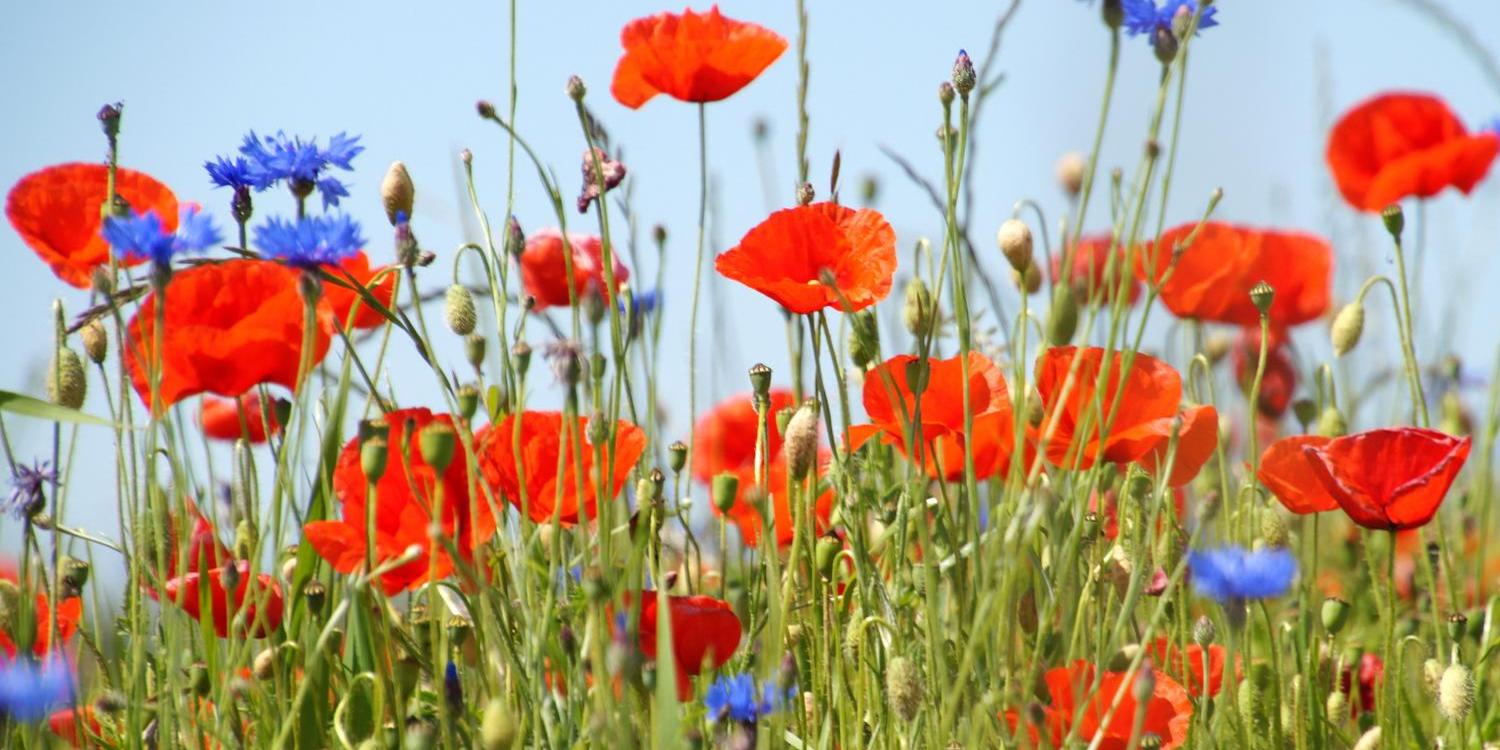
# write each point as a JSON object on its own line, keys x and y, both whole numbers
{"x": 692, "y": 57}
{"x": 705, "y": 634}
{"x": 401, "y": 518}
{"x": 220, "y": 418}
{"x": 260, "y": 599}
{"x": 1145, "y": 418}
{"x": 1370, "y": 672}
{"x": 1211, "y": 278}
{"x": 229, "y": 326}
{"x": 1168, "y": 713}
{"x": 1391, "y": 478}
{"x": 65, "y": 724}
{"x": 1087, "y": 272}
{"x": 942, "y": 428}
{"x": 785, "y": 256}
{"x": 69, "y": 613}
{"x": 543, "y": 446}
{"x": 1398, "y": 145}
{"x": 57, "y": 212}
{"x": 544, "y": 270}
{"x": 747, "y": 514}
{"x": 342, "y": 300}
{"x": 1279, "y": 381}
{"x": 1187, "y": 667}
{"x": 1287, "y": 471}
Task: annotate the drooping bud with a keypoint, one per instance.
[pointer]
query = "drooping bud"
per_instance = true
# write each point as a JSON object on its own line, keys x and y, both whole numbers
{"x": 1062, "y": 318}
{"x": 1145, "y": 684}
{"x": 437, "y": 442}
{"x": 515, "y": 239}
{"x": 109, "y": 120}
{"x": 1336, "y": 707}
{"x": 264, "y": 666}
{"x": 825, "y": 553}
{"x": 1262, "y": 295}
{"x": 1394, "y": 220}
{"x": 95, "y": 341}
{"x": 1029, "y": 281}
{"x": 964, "y": 77}
{"x": 1305, "y": 410}
{"x": 1273, "y": 529}
{"x": 474, "y": 346}
{"x": 918, "y": 312}
{"x": 458, "y": 310}
{"x": 1347, "y": 327}
{"x": 726, "y": 488}
{"x": 1432, "y": 675}
{"x": 903, "y": 687}
{"x": 864, "y": 338}
{"x": 1015, "y": 242}
{"x": 485, "y": 108}
{"x": 1217, "y": 347}
{"x": 802, "y": 440}
{"x": 74, "y": 574}
{"x": 397, "y": 193}
{"x": 66, "y": 383}
{"x": 1456, "y": 693}
{"x": 1335, "y": 613}
{"x": 1113, "y": 12}
{"x": 1070, "y": 171}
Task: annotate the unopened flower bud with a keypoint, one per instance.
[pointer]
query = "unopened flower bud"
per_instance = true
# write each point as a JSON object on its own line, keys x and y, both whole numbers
{"x": 946, "y": 94}
{"x": 66, "y": 383}
{"x": 1337, "y": 706}
{"x": 1335, "y": 614}
{"x": 75, "y": 573}
{"x": 515, "y": 239}
{"x": 521, "y": 352}
{"x": 1273, "y": 529}
{"x": 95, "y": 341}
{"x": 1070, "y": 171}
{"x": 1217, "y": 347}
{"x": 802, "y": 441}
{"x": 825, "y": 553}
{"x": 1370, "y": 740}
{"x": 575, "y": 88}
{"x": 485, "y": 108}
{"x": 805, "y": 194}
{"x": 1347, "y": 327}
{"x": 726, "y": 488}
{"x": 109, "y": 120}
{"x": 1456, "y": 693}
{"x": 1204, "y": 632}
{"x": 497, "y": 730}
{"x": 1015, "y": 242}
{"x": 264, "y": 666}
{"x": 1331, "y": 423}
{"x": 474, "y": 346}
{"x": 1164, "y": 44}
{"x": 467, "y": 396}
{"x": 918, "y": 312}
{"x": 1432, "y": 675}
{"x": 964, "y": 77}
{"x": 397, "y": 193}
{"x": 1145, "y": 684}
{"x": 1062, "y": 317}
{"x": 903, "y": 687}
{"x": 1113, "y": 13}
{"x": 864, "y": 338}
{"x": 458, "y": 310}
{"x": 1028, "y": 281}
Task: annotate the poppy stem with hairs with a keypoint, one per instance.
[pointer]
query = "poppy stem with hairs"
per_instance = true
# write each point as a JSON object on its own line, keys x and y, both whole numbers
{"x": 1390, "y": 712}
{"x": 1393, "y": 224}
{"x": 1252, "y": 404}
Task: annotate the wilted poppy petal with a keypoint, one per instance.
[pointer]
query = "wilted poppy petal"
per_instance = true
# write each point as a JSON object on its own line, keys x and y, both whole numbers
{"x": 1287, "y": 471}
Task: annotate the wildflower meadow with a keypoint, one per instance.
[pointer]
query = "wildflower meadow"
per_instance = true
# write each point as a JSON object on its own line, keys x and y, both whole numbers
{"x": 1117, "y": 466}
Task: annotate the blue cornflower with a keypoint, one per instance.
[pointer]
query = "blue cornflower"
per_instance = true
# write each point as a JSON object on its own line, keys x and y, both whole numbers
{"x": 301, "y": 164}
{"x": 30, "y": 691}
{"x": 736, "y": 697}
{"x": 453, "y": 690}
{"x": 310, "y": 241}
{"x": 1232, "y": 573}
{"x": 26, "y": 487}
{"x": 142, "y": 236}
{"x": 644, "y": 303}
{"x": 237, "y": 173}
{"x": 1144, "y": 17}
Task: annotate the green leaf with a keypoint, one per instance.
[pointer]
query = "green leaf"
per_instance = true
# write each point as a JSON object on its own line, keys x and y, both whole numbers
{"x": 27, "y": 406}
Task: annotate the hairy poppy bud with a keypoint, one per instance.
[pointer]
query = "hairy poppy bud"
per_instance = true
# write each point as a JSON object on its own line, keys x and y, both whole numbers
{"x": 1217, "y": 347}
{"x": 474, "y": 346}
{"x": 1331, "y": 423}
{"x": 66, "y": 384}
{"x": 802, "y": 440}
{"x": 903, "y": 687}
{"x": 1273, "y": 529}
{"x": 1028, "y": 281}
{"x": 75, "y": 573}
{"x": 1394, "y": 220}
{"x": 1070, "y": 171}
{"x": 1336, "y": 707}
{"x": 825, "y": 553}
{"x": 264, "y": 666}
{"x": 1015, "y": 242}
{"x": 1455, "y": 693}
{"x": 918, "y": 312}
{"x": 515, "y": 239}
{"x": 575, "y": 88}
{"x": 1432, "y": 674}
{"x": 497, "y": 730}
{"x": 864, "y": 338}
{"x": 1062, "y": 318}
{"x": 397, "y": 192}
{"x": 1347, "y": 327}
{"x": 1370, "y": 740}
{"x": 1335, "y": 614}
{"x": 437, "y": 442}
{"x": 459, "y": 311}
{"x": 964, "y": 77}
{"x": 95, "y": 341}
{"x": 726, "y": 488}
{"x": 1262, "y": 294}
{"x": 760, "y": 381}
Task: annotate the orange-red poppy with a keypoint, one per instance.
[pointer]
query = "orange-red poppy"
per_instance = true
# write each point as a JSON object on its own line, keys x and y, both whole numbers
{"x": 259, "y": 599}
{"x": 1391, "y": 478}
{"x": 941, "y": 431}
{"x": 342, "y": 299}
{"x": 1398, "y": 145}
{"x": 1187, "y": 666}
{"x": 747, "y": 515}
{"x": 544, "y": 270}
{"x": 705, "y": 634}
{"x": 406, "y": 498}
{"x": 220, "y": 418}
{"x": 1087, "y": 271}
{"x": 69, "y": 613}
{"x": 1288, "y": 473}
{"x": 1168, "y": 714}
{"x": 66, "y": 722}
{"x": 691, "y": 57}
{"x": 786, "y": 256}
{"x": 229, "y": 326}
{"x": 1145, "y": 414}
{"x": 534, "y": 484}
{"x": 1212, "y": 277}
{"x": 1279, "y": 381}
{"x": 57, "y": 212}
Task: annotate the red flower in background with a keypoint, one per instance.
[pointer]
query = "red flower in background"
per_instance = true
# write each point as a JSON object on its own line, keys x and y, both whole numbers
{"x": 1169, "y": 712}
{"x": 57, "y": 212}
{"x": 1087, "y": 271}
{"x": 1212, "y": 278}
{"x": 65, "y": 723}
{"x": 69, "y": 613}
{"x": 785, "y": 256}
{"x": 705, "y": 634}
{"x": 941, "y": 431}
{"x": 341, "y": 299}
{"x": 220, "y": 418}
{"x": 1278, "y": 383}
{"x": 1144, "y": 420}
{"x": 543, "y": 445}
{"x": 401, "y": 517}
{"x": 1371, "y": 671}
{"x": 259, "y": 599}
{"x": 544, "y": 270}
{"x": 1389, "y": 479}
{"x": 1187, "y": 665}
{"x": 691, "y": 57}
{"x": 1287, "y": 471}
{"x": 229, "y": 326}
{"x": 1399, "y": 145}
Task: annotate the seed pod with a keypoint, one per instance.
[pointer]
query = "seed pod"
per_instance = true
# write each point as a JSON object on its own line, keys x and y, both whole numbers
{"x": 1456, "y": 693}
{"x": 1335, "y": 614}
{"x": 1014, "y": 238}
{"x": 726, "y": 488}
{"x": 802, "y": 441}
{"x": 1347, "y": 327}
{"x": 437, "y": 442}
{"x": 468, "y": 400}
{"x": 1262, "y": 295}
{"x": 459, "y": 311}
{"x": 903, "y": 687}
{"x": 314, "y": 593}
{"x": 474, "y": 346}
{"x": 1394, "y": 220}
{"x": 95, "y": 341}
{"x": 397, "y": 191}
{"x": 677, "y": 456}
{"x": 66, "y": 384}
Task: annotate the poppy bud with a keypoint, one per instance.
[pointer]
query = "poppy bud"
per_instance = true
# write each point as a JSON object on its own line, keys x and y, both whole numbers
{"x": 869, "y": 189}
{"x": 1028, "y": 281}
{"x": 801, "y": 433}
{"x": 314, "y": 593}
{"x": 575, "y": 88}
{"x": 521, "y": 351}
{"x": 1394, "y": 220}
{"x": 1014, "y": 238}
{"x": 1145, "y": 683}
{"x": 1347, "y": 326}
{"x": 1370, "y": 740}
{"x": 903, "y": 687}
{"x": 1432, "y": 675}
{"x": 310, "y": 287}
{"x": 1121, "y": 659}
{"x": 1070, "y": 171}
{"x": 946, "y": 93}
{"x": 102, "y": 282}
{"x": 805, "y": 194}
{"x": 474, "y": 346}
{"x": 1273, "y": 529}
{"x": 726, "y": 488}
{"x": 397, "y": 191}
{"x": 1305, "y": 410}
{"x": 437, "y": 442}
{"x": 1036, "y": 411}
{"x": 864, "y": 338}
{"x": 1337, "y": 706}
{"x": 515, "y": 239}
{"x": 264, "y": 666}
{"x": 1331, "y": 423}
{"x": 760, "y": 381}
{"x": 110, "y": 702}
{"x": 459, "y": 311}
{"x": 918, "y": 312}
{"x": 497, "y": 730}
{"x": 66, "y": 384}
{"x": 1062, "y": 318}
{"x": 1204, "y": 632}
{"x": 677, "y": 456}
{"x": 825, "y": 553}
{"x": 1335, "y": 614}
{"x": 964, "y": 76}
{"x": 1456, "y": 693}
{"x": 95, "y": 341}
{"x": 1262, "y": 295}
{"x": 75, "y": 573}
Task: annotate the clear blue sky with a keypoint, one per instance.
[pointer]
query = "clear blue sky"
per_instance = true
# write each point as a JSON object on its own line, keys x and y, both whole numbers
{"x": 195, "y": 76}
